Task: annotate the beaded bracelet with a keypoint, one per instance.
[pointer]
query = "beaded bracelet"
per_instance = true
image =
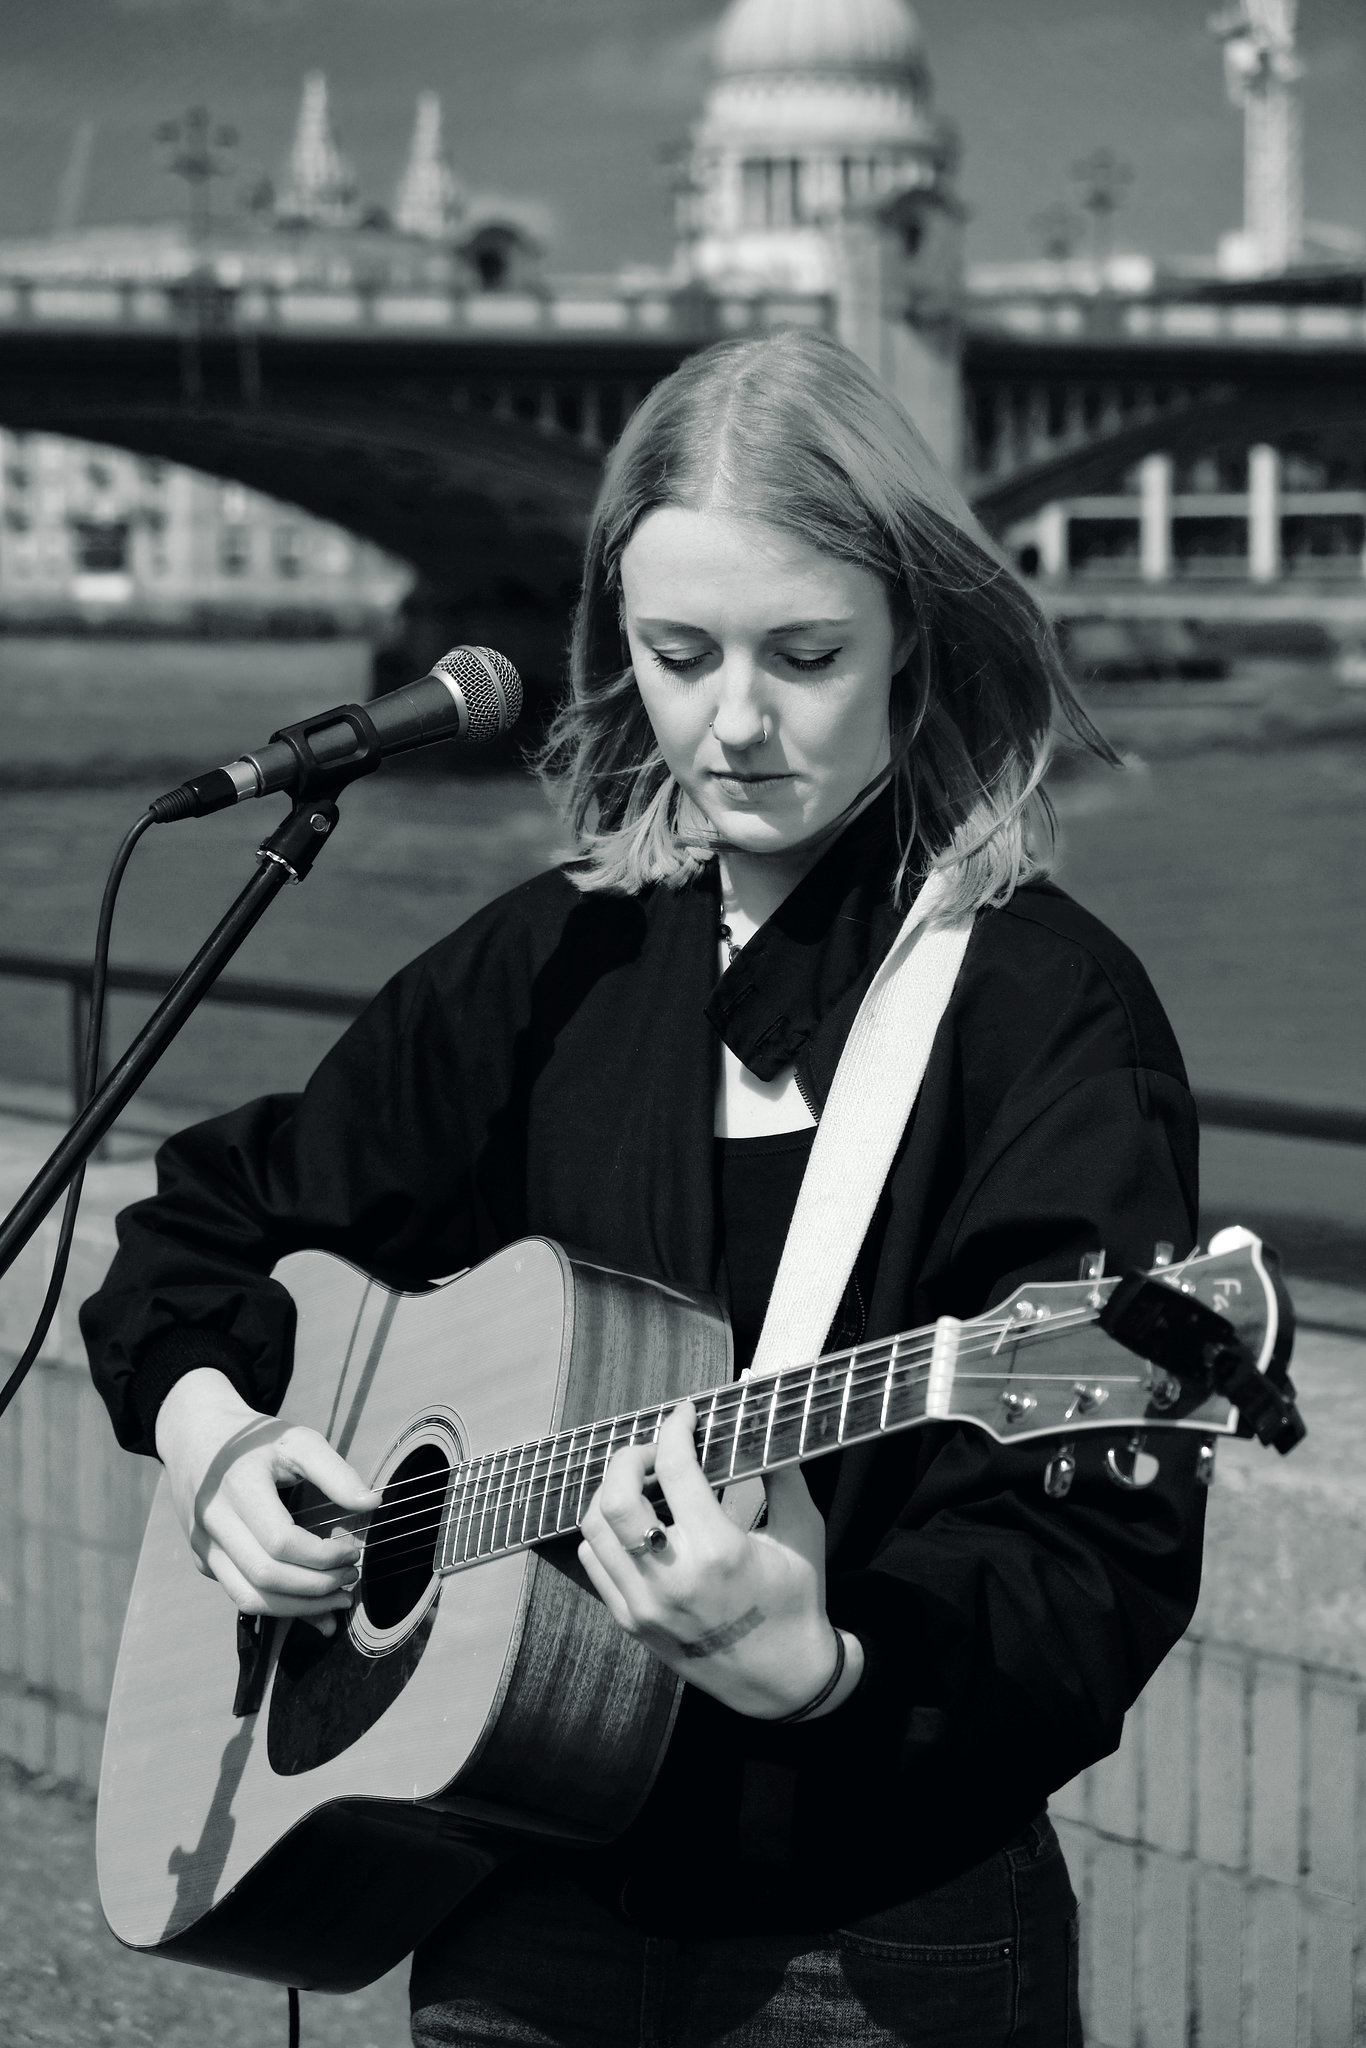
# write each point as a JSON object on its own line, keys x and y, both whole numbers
{"x": 805, "y": 1713}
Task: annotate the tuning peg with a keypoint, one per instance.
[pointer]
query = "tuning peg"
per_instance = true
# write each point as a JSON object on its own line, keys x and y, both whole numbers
{"x": 1132, "y": 1467}
{"x": 1092, "y": 1266}
{"x": 1164, "y": 1251}
{"x": 1204, "y": 1463}
{"x": 1060, "y": 1471}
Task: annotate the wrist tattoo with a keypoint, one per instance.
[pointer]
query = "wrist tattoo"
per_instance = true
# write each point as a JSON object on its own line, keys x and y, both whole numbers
{"x": 725, "y": 1637}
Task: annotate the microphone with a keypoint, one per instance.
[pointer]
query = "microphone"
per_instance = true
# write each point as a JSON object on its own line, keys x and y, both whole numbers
{"x": 471, "y": 693}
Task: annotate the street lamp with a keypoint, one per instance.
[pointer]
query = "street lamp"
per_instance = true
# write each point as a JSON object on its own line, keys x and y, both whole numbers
{"x": 193, "y": 145}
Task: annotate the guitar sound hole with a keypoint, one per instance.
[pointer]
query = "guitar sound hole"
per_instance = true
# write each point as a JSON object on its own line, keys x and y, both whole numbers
{"x": 400, "y": 1549}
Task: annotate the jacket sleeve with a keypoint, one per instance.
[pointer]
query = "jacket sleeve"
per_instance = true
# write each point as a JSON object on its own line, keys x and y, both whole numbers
{"x": 376, "y": 1161}
{"x": 1006, "y": 1632}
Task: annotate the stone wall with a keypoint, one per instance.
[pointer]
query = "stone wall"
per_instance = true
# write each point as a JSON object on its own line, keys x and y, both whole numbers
{"x": 1220, "y": 1855}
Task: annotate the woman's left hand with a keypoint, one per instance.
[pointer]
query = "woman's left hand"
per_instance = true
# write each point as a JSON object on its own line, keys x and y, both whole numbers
{"x": 740, "y": 1614}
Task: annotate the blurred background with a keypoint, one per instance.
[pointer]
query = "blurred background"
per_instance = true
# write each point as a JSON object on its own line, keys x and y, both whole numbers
{"x": 316, "y": 320}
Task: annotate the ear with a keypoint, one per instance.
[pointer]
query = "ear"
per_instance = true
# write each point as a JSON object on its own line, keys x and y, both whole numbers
{"x": 904, "y": 646}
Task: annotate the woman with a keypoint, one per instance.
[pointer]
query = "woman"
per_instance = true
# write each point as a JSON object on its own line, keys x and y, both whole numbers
{"x": 801, "y": 679}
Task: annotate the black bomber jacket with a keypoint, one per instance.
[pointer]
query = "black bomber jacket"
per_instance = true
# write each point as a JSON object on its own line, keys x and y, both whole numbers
{"x": 551, "y": 1068}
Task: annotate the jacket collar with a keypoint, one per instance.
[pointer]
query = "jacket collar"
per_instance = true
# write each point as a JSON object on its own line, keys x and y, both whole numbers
{"x": 814, "y": 958}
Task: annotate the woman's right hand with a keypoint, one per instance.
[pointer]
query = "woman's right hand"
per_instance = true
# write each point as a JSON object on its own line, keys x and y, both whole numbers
{"x": 226, "y": 1462}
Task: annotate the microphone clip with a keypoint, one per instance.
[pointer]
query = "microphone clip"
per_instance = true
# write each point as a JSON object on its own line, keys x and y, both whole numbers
{"x": 322, "y": 780}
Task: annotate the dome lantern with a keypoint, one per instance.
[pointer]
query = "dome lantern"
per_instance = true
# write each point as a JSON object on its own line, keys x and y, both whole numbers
{"x": 874, "y": 39}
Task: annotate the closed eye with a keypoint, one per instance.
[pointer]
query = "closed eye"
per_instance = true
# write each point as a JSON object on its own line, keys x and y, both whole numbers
{"x": 808, "y": 664}
{"x": 679, "y": 664}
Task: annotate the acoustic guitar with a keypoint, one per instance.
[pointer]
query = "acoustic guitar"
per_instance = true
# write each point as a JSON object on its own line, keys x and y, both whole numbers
{"x": 305, "y": 1809}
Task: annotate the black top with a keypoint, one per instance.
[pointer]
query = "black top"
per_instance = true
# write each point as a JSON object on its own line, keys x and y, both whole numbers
{"x": 552, "y": 1068}
{"x": 757, "y": 1181}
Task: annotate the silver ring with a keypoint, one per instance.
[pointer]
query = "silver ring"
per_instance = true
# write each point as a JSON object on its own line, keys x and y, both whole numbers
{"x": 656, "y": 1538}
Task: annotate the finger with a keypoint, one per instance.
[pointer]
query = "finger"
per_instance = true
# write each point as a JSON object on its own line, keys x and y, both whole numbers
{"x": 305, "y": 1454}
{"x": 621, "y": 1494}
{"x": 793, "y": 1519}
{"x": 230, "y": 1533}
{"x": 680, "y": 1476}
{"x": 250, "y": 1599}
{"x": 253, "y": 1497}
{"x": 605, "y": 1586}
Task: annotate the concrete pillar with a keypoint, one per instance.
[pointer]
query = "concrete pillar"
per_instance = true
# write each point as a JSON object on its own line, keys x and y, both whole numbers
{"x": 1051, "y": 532}
{"x": 1263, "y": 513}
{"x": 1155, "y": 518}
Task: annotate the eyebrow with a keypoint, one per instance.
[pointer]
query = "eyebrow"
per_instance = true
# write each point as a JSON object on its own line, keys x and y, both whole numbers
{"x": 793, "y": 626}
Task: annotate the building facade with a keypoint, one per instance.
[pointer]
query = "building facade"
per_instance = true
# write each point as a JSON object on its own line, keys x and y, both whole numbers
{"x": 92, "y": 535}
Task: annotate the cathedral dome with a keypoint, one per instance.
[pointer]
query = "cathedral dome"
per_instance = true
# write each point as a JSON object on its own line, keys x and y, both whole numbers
{"x": 871, "y": 38}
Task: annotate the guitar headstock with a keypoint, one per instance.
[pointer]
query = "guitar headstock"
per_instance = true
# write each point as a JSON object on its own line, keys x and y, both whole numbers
{"x": 1052, "y": 1359}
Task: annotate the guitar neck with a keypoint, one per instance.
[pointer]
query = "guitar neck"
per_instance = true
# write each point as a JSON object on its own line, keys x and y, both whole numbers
{"x": 529, "y": 1492}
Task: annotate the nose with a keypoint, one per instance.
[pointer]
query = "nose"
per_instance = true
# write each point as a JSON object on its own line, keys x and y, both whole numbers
{"x": 739, "y": 721}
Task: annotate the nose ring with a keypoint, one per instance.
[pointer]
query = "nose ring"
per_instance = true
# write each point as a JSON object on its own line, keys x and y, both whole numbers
{"x": 763, "y": 730}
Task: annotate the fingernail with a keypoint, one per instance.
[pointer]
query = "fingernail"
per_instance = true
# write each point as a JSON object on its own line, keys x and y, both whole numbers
{"x": 326, "y": 1625}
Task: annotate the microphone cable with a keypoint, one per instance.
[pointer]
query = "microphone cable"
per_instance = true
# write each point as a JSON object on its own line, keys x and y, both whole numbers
{"x": 90, "y": 1081}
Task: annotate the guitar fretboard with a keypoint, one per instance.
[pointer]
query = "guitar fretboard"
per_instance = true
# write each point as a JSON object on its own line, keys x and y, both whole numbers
{"x": 528, "y": 1492}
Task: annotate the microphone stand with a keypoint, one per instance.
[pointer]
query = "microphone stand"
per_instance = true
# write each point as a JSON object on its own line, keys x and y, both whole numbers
{"x": 287, "y": 856}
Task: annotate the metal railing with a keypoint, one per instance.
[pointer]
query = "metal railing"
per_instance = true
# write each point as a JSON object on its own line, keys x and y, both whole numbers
{"x": 1220, "y": 1109}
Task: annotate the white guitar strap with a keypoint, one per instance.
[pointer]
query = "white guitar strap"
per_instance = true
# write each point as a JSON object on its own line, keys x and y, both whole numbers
{"x": 865, "y": 1116}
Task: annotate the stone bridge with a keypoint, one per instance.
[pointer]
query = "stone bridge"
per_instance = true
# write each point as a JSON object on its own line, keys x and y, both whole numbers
{"x": 464, "y": 430}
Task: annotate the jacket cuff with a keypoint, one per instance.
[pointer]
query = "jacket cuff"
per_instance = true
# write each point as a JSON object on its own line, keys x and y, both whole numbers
{"x": 177, "y": 1351}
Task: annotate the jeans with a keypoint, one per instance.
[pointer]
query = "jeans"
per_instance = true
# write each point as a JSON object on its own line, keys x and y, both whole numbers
{"x": 986, "y": 1960}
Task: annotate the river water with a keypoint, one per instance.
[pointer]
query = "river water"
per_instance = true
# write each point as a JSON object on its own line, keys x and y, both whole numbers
{"x": 1234, "y": 870}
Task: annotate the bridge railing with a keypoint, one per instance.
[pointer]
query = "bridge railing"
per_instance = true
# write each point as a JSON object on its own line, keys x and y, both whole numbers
{"x": 1220, "y": 1109}
{"x": 590, "y": 309}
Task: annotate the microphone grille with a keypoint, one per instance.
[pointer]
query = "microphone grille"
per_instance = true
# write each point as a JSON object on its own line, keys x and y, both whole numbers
{"x": 490, "y": 686}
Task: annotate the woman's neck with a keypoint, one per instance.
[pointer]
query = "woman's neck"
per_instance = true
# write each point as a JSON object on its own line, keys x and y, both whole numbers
{"x": 754, "y": 884}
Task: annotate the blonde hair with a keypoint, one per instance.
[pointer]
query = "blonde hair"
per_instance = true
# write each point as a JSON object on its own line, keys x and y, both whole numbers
{"x": 792, "y": 429}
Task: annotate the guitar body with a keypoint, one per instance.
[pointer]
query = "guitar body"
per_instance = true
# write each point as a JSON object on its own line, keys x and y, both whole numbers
{"x": 381, "y": 1773}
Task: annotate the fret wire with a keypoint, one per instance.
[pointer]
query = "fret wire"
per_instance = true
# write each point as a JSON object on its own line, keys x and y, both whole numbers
{"x": 565, "y": 1471}
{"x": 772, "y": 1411}
{"x": 806, "y": 1408}
{"x": 844, "y": 1403}
{"x": 507, "y": 1495}
{"x": 451, "y": 1514}
{"x": 490, "y": 1504}
{"x": 739, "y": 1419}
{"x": 529, "y": 1484}
{"x": 470, "y": 1504}
{"x": 887, "y": 1386}
{"x": 467, "y": 1505}
{"x": 711, "y": 1424}
{"x": 587, "y": 1460}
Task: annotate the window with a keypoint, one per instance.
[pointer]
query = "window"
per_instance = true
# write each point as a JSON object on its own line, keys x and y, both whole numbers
{"x": 101, "y": 546}
{"x": 1102, "y": 546}
{"x": 287, "y": 551}
{"x": 771, "y": 193}
{"x": 234, "y": 550}
{"x": 1209, "y": 547}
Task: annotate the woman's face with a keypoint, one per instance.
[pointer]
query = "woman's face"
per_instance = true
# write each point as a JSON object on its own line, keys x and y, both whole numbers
{"x": 765, "y": 668}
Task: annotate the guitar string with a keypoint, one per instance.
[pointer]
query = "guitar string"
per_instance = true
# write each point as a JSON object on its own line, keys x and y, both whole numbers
{"x": 510, "y": 1485}
{"x": 869, "y": 1374}
{"x": 421, "y": 1541}
{"x": 514, "y": 1491}
{"x": 869, "y": 1363}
